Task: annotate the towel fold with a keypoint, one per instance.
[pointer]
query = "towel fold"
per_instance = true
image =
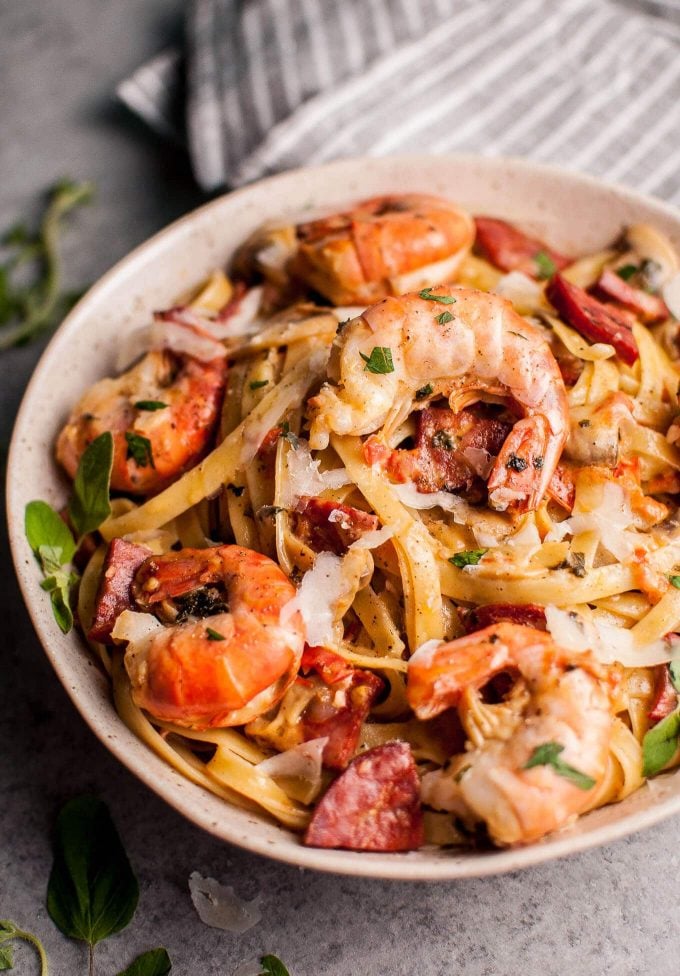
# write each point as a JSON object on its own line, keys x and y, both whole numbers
{"x": 273, "y": 84}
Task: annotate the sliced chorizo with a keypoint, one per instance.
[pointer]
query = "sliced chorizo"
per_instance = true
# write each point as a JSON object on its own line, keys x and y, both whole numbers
{"x": 121, "y": 562}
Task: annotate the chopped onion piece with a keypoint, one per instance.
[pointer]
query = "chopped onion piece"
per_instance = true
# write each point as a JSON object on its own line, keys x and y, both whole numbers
{"x": 607, "y": 642}
{"x": 409, "y": 495}
{"x": 479, "y": 460}
{"x": 371, "y": 540}
{"x": 134, "y": 627}
{"x": 219, "y": 907}
{"x": 302, "y": 762}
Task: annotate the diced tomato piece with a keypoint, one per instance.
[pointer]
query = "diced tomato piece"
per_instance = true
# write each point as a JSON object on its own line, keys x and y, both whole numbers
{"x": 338, "y": 714}
{"x": 510, "y": 249}
{"x": 373, "y": 806}
{"x": 122, "y": 561}
{"x": 665, "y": 696}
{"x": 328, "y": 526}
{"x": 649, "y": 308}
{"x": 529, "y": 614}
{"x": 593, "y": 320}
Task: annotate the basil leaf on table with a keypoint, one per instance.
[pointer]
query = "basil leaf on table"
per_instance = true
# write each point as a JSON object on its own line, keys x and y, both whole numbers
{"x": 48, "y": 536}
{"x": 89, "y": 505}
{"x": 155, "y": 962}
{"x": 92, "y": 891}
{"x": 272, "y": 966}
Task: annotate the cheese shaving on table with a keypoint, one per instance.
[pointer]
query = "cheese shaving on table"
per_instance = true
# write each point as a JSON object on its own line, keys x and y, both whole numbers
{"x": 220, "y": 908}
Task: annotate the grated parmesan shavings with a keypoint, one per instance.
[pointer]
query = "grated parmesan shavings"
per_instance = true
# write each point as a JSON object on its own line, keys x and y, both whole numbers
{"x": 220, "y": 908}
{"x": 607, "y": 642}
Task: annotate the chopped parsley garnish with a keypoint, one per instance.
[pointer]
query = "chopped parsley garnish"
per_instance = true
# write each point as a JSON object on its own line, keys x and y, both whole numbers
{"x": 626, "y": 271}
{"x": 674, "y": 581}
{"x": 545, "y": 266}
{"x": 380, "y": 360}
{"x": 424, "y": 391}
{"x": 516, "y": 463}
{"x": 150, "y": 405}
{"x": 443, "y": 441}
{"x": 257, "y": 384}
{"x": 139, "y": 450}
{"x": 426, "y": 293}
{"x": 214, "y": 635}
{"x": 469, "y": 557}
{"x": 444, "y": 318}
{"x": 548, "y": 754}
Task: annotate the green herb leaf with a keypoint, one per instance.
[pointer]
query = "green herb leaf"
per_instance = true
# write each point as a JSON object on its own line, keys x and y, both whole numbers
{"x": 150, "y": 405}
{"x": 426, "y": 293}
{"x": 516, "y": 463}
{"x": 548, "y": 754}
{"x": 9, "y": 931}
{"x": 444, "y": 318}
{"x": 89, "y": 505}
{"x": 380, "y": 360}
{"x": 27, "y": 310}
{"x": 674, "y": 581}
{"x": 47, "y": 531}
{"x": 545, "y": 266}
{"x": 627, "y": 271}
{"x": 469, "y": 557}
{"x": 59, "y": 588}
{"x": 155, "y": 962}
{"x": 443, "y": 441}
{"x": 214, "y": 635}
{"x": 424, "y": 392}
{"x": 92, "y": 891}
{"x": 272, "y": 966}
{"x": 258, "y": 384}
{"x": 139, "y": 449}
{"x": 6, "y": 958}
{"x": 674, "y": 672}
{"x": 660, "y": 744}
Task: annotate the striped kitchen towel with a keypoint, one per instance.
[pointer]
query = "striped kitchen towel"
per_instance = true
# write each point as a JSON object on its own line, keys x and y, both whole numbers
{"x": 271, "y": 84}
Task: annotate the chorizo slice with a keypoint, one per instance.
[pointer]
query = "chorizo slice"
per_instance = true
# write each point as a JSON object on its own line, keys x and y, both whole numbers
{"x": 510, "y": 249}
{"x": 665, "y": 698}
{"x": 529, "y": 614}
{"x": 340, "y": 709}
{"x": 121, "y": 563}
{"x": 649, "y": 308}
{"x": 595, "y": 321}
{"x": 328, "y": 526}
{"x": 373, "y": 806}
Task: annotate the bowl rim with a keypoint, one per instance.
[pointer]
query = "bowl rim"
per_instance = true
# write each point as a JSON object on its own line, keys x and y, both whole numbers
{"x": 414, "y": 866}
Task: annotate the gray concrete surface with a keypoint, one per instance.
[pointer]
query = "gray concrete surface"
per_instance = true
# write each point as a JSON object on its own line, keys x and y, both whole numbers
{"x": 613, "y": 910}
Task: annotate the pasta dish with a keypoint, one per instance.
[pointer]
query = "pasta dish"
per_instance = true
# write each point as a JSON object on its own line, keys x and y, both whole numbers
{"x": 388, "y": 546}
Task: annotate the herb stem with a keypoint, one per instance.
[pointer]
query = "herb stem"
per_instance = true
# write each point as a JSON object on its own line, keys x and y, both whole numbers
{"x": 90, "y": 969}
{"x": 32, "y": 940}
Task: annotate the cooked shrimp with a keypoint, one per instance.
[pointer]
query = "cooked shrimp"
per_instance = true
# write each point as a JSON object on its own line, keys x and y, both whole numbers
{"x": 539, "y": 775}
{"x": 461, "y": 344}
{"x": 162, "y": 413}
{"x": 225, "y": 669}
{"x": 384, "y": 246}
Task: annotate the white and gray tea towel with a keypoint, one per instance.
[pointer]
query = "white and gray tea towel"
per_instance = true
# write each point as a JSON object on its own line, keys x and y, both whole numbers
{"x": 593, "y": 85}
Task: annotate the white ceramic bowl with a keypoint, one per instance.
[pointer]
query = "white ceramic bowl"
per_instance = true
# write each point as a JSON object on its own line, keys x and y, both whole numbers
{"x": 573, "y": 213}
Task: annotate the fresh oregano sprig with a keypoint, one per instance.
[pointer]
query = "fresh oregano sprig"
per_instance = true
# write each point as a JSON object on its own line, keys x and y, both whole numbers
{"x": 9, "y": 932}
{"x": 50, "y": 538}
{"x": 29, "y": 308}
